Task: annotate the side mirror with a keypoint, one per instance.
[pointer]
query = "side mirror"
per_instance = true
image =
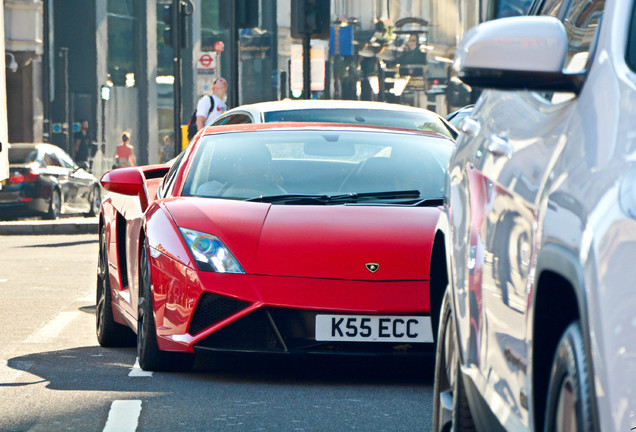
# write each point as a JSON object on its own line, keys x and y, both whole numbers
{"x": 517, "y": 53}
{"x": 132, "y": 181}
{"x": 125, "y": 181}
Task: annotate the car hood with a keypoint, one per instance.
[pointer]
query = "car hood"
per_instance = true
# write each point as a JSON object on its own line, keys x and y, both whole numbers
{"x": 331, "y": 242}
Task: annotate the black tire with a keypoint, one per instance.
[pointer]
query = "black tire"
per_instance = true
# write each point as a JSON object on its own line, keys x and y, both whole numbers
{"x": 150, "y": 357}
{"x": 109, "y": 332}
{"x": 95, "y": 201}
{"x": 450, "y": 406}
{"x": 568, "y": 406}
{"x": 55, "y": 206}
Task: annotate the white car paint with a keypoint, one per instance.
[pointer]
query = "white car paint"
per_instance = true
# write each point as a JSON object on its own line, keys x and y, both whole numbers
{"x": 558, "y": 176}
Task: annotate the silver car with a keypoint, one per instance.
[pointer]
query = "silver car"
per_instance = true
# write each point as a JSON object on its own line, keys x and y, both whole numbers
{"x": 536, "y": 251}
{"x": 339, "y": 111}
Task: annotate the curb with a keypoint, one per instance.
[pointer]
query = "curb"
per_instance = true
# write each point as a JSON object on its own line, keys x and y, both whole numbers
{"x": 58, "y": 227}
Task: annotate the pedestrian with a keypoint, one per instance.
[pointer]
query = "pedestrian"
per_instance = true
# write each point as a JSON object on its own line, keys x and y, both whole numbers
{"x": 82, "y": 143}
{"x": 167, "y": 151}
{"x": 412, "y": 57}
{"x": 124, "y": 155}
{"x": 210, "y": 107}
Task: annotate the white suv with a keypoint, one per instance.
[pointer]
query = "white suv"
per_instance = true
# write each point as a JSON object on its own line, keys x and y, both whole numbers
{"x": 534, "y": 264}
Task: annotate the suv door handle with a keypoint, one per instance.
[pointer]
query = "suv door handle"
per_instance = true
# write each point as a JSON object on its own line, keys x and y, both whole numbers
{"x": 499, "y": 146}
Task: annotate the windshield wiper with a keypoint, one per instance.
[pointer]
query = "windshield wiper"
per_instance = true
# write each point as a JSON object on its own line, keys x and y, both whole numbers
{"x": 352, "y": 197}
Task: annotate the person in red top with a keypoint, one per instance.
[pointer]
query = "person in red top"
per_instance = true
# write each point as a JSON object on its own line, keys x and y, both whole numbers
{"x": 124, "y": 155}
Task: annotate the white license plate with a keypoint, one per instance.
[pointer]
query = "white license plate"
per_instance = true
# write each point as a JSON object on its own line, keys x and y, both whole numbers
{"x": 373, "y": 328}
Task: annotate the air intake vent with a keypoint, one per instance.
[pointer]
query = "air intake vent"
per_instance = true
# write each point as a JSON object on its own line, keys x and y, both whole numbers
{"x": 212, "y": 309}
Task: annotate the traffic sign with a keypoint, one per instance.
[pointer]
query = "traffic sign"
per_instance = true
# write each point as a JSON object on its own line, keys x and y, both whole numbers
{"x": 219, "y": 46}
{"x": 207, "y": 61}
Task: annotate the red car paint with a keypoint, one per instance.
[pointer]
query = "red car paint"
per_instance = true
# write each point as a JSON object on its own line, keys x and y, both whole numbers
{"x": 303, "y": 257}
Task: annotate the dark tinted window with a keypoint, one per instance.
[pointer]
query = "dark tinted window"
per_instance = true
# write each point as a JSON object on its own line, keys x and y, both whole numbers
{"x": 553, "y": 8}
{"x": 508, "y": 8}
{"x": 631, "y": 43}
{"x": 22, "y": 155}
{"x": 50, "y": 159}
{"x": 241, "y": 118}
{"x": 249, "y": 164}
{"x": 426, "y": 121}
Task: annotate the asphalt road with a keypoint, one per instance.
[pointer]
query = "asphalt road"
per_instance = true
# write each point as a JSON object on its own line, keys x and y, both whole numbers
{"x": 54, "y": 376}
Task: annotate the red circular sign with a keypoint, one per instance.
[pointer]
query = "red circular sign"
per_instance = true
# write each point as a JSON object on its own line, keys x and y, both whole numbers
{"x": 219, "y": 46}
{"x": 206, "y": 60}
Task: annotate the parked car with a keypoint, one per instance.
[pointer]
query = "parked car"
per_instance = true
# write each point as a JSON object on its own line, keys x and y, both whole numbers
{"x": 44, "y": 180}
{"x": 339, "y": 111}
{"x": 279, "y": 238}
{"x": 537, "y": 329}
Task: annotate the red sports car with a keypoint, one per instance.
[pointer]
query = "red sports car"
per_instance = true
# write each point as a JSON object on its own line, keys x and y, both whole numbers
{"x": 279, "y": 238}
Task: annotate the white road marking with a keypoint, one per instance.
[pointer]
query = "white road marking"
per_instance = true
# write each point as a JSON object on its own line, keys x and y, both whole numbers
{"x": 137, "y": 372}
{"x": 88, "y": 297}
{"x": 123, "y": 416}
{"x": 53, "y": 328}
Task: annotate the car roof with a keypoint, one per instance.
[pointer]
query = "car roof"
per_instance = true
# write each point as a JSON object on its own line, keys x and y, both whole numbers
{"x": 247, "y": 127}
{"x": 292, "y": 104}
{"x": 43, "y": 146}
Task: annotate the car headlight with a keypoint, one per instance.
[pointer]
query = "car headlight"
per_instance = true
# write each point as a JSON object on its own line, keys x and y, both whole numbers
{"x": 210, "y": 253}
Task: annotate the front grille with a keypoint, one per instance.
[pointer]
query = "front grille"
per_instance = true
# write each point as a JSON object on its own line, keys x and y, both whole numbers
{"x": 212, "y": 309}
{"x": 279, "y": 330}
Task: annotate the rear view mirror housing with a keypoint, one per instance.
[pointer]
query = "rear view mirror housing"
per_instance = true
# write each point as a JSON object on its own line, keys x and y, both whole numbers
{"x": 517, "y": 53}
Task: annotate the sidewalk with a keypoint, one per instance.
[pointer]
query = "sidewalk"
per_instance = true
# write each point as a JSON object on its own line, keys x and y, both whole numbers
{"x": 66, "y": 226}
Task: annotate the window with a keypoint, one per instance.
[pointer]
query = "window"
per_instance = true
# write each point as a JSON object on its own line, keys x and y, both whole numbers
{"x": 169, "y": 179}
{"x": 508, "y": 8}
{"x": 581, "y": 25}
{"x": 122, "y": 24}
{"x": 234, "y": 119}
{"x": 631, "y": 42}
{"x": 553, "y": 8}
{"x": 50, "y": 159}
{"x": 65, "y": 159}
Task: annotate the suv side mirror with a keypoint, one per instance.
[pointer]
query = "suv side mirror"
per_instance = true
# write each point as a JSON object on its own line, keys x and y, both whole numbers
{"x": 517, "y": 53}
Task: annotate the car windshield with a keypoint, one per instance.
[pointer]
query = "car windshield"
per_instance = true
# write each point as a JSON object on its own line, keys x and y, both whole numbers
{"x": 22, "y": 155}
{"x": 426, "y": 121}
{"x": 320, "y": 167}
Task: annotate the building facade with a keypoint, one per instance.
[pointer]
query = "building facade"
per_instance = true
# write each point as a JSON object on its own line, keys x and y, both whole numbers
{"x": 105, "y": 61}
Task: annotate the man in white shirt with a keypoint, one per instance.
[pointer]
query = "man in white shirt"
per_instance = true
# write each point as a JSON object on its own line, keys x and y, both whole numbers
{"x": 206, "y": 113}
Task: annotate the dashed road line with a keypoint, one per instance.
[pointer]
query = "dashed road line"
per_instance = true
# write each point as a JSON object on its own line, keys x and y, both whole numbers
{"x": 53, "y": 328}
{"x": 137, "y": 372}
{"x": 123, "y": 416}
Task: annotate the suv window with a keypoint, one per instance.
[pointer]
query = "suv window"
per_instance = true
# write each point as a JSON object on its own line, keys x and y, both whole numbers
{"x": 553, "y": 8}
{"x": 630, "y": 56}
{"x": 581, "y": 25}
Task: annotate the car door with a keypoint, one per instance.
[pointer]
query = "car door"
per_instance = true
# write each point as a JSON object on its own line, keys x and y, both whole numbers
{"x": 82, "y": 179}
{"x": 517, "y": 140}
{"x": 60, "y": 176}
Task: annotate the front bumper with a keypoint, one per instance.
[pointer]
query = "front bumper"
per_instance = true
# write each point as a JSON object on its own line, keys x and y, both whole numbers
{"x": 205, "y": 311}
{"x": 289, "y": 331}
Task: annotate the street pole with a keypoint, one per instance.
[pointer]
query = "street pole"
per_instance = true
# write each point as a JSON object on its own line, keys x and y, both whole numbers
{"x": 66, "y": 128}
{"x": 176, "y": 67}
{"x": 307, "y": 66}
{"x": 233, "y": 79}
